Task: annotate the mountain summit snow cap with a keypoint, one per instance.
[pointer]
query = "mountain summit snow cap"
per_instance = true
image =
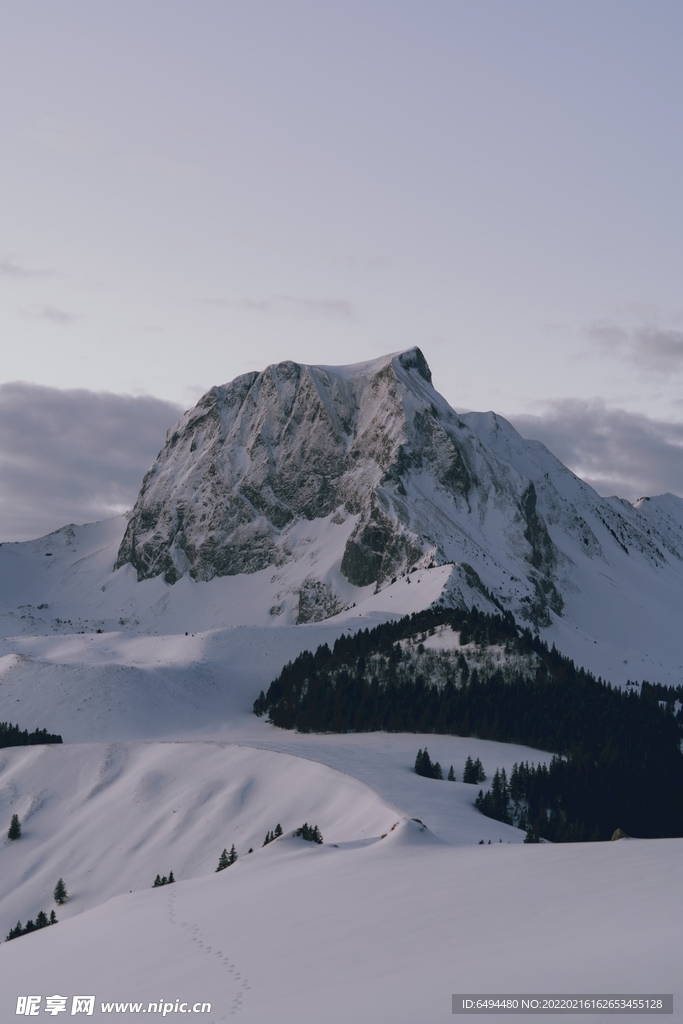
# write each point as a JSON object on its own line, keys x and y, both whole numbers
{"x": 394, "y": 479}
{"x": 410, "y": 359}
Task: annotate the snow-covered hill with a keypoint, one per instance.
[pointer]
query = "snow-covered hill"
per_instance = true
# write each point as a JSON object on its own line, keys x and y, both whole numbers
{"x": 385, "y": 931}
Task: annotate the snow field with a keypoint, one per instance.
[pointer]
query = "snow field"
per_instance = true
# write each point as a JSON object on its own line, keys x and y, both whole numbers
{"x": 376, "y": 932}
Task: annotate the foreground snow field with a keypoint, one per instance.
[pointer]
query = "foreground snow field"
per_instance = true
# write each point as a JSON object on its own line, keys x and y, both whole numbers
{"x": 376, "y": 931}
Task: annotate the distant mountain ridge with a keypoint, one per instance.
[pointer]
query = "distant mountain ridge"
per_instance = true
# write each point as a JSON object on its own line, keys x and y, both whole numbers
{"x": 374, "y": 451}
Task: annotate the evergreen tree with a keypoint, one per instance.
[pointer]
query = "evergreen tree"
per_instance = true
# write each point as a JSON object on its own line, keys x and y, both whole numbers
{"x": 14, "y": 828}
{"x": 268, "y": 839}
{"x": 451, "y": 774}
{"x": 232, "y": 856}
{"x": 531, "y": 837}
{"x": 278, "y": 831}
{"x": 311, "y": 833}
{"x": 53, "y": 917}
{"x": 42, "y": 920}
{"x": 60, "y": 894}
{"x": 157, "y": 882}
{"x": 260, "y": 704}
{"x": 171, "y": 879}
{"x": 479, "y": 771}
{"x": 424, "y": 766}
{"x": 223, "y": 861}
{"x": 469, "y": 774}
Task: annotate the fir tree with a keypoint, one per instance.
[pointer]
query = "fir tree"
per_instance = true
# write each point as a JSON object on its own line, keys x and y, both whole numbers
{"x": 278, "y": 831}
{"x": 60, "y": 894}
{"x": 479, "y": 771}
{"x": 171, "y": 879}
{"x": 42, "y": 920}
{"x": 451, "y": 774}
{"x": 424, "y": 766}
{"x": 223, "y": 861}
{"x": 260, "y": 704}
{"x": 232, "y": 856}
{"x": 157, "y": 882}
{"x": 53, "y": 917}
{"x": 311, "y": 833}
{"x": 14, "y": 828}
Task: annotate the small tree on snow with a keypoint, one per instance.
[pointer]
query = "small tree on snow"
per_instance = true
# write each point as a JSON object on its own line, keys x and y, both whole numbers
{"x": 451, "y": 774}
{"x": 60, "y": 894}
{"x": 14, "y": 827}
{"x": 223, "y": 861}
{"x": 311, "y": 833}
{"x": 232, "y": 856}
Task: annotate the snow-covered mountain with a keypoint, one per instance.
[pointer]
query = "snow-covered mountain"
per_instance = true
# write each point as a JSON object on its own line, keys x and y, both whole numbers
{"x": 287, "y": 508}
{"x": 336, "y": 482}
{"x": 370, "y": 449}
{"x": 304, "y": 494}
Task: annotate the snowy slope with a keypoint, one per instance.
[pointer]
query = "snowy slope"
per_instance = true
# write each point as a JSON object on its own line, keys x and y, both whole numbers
{"x": 621, "y": 573}
{"x": 110, "y": 817}
{"x": 375, "y": 932}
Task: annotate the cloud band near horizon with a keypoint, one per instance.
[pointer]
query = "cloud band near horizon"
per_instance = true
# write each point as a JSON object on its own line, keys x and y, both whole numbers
{"x": 73, "y": 456}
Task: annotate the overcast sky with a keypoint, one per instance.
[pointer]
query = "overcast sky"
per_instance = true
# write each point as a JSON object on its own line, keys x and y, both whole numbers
{"x": 192, "y": 190}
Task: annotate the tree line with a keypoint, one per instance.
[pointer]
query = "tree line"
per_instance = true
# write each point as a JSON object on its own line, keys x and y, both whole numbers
{"x": 13, "y": 736}
{"x": 620, "y": 763}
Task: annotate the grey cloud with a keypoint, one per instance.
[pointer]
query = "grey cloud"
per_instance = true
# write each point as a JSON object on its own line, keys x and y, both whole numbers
{"x": 73, "y": 456}
{"x": 10, "y": 268}
{"x": 337, "y": 309}
{"x": 652, "y": 348}
{"x": 662, "y": 350}
{"x": 54, "y": 315}
{"x": 615, "y": 451}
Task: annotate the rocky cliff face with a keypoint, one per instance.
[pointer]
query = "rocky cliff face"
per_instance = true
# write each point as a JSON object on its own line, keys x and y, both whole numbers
{"x": 372, "y": 446}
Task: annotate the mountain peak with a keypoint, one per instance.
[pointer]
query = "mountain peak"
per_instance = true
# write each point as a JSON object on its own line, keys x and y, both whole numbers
{"x": 409, "y": 359}
{"x": 371, "y": 453}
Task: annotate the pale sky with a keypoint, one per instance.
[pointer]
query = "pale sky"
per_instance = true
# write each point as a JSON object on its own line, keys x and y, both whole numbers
{"x": 191, "y": 190}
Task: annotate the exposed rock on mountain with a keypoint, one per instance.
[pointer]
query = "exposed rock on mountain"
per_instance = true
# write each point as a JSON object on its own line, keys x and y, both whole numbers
{"x": 371, "y": 447}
